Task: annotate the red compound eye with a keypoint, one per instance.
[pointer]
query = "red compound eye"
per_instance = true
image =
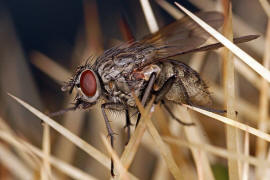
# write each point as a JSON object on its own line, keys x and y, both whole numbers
{"x": 88, "y": 83}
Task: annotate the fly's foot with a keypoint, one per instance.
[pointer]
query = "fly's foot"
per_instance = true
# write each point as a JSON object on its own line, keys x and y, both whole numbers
{"x": 127, "y": 129}
{"x": 111, "y": 135}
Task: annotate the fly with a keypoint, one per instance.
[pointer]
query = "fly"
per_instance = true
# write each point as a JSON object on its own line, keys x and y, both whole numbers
{"x": 145, "y": 68}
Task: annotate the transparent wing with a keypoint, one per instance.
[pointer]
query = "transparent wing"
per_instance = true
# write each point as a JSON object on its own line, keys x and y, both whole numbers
{"x": 182, "y": 35}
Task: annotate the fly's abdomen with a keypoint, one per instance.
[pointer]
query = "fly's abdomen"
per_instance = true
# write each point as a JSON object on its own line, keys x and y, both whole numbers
{"x": 187, "y": 88}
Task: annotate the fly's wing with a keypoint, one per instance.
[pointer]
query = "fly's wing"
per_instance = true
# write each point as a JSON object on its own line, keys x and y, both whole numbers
{"x": 182, "y": 35}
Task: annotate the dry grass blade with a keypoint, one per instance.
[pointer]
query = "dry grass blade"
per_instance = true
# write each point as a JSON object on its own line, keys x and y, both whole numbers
{"x": 196, "y": 134}
{"x": 26, "y": 147}
{"x": 228, "y": 44}
{"x": 121, "y": 170}
{"x": 28, "y": 159}
{"x": 171, "y": 9}
{"x": 165, "y": 151}
{"x": 90, "y": 150}
{"x": 245, "y": 172}
{"x": 161, "y": 170}
{"x": 261, "y": 146}
{"x": 133, "y": 144}
{"x": 51, "y": 68}
{"x": 219, "y": 151}
{"x": 14, "y": 164}
{"x": 229, "y": 91}
{"x": 46, "y": 168}
{"x": 163, "y": 125}
{"x": 149, "y": 15}
{"x": 233, "y": 123}
{"x": 266, "y": 6}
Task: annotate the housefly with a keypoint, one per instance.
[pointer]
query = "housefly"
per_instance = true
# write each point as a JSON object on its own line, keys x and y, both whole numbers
{"x": 146, "y": 68}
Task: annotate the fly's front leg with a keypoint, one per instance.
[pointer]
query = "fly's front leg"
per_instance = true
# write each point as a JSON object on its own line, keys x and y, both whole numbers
{"x": 147, "y": 93}
{"x": 78, "y": 104}
{"x": 164, "y": 90}
{"x": 112, "y": 106}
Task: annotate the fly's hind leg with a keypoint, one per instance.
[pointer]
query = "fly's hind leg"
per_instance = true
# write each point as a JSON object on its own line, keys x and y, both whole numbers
{"x": 164, "y": 90}
{"x": 174, "y": 117}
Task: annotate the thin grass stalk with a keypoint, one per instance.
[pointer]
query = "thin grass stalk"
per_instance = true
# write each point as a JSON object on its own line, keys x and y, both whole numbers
{"x": 15, "y": 166}
{"x": 267, "y": 172}
{"x": 165, "y": 151}
{"x": 92, "y": 27}
{"x": 229, "y": 91}
{"x": 193, "y": 135}
{"x": 181, "y": 161}
{"x": 173, "y": 11}
{"x": 247, "y": 109}
{"x": 161, "y": 170}
{"x": 149, "y": 16}
{"x": 24, "y": 146}
{"x": 49, "y": 67}
{"x": 132, "y": 147}
{"x": 28, "y": 159}
{"x": 245, "y": 172}
{"x": 261, "y": 146}
{"x": 46, "y": 168}
{"x": 266, "y": 7}
{"x": 219, "y": 152}
{"x": 233, "y": 123}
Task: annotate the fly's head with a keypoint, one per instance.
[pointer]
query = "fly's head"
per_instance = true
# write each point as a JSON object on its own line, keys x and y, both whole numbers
{"x": 87, "y": 83}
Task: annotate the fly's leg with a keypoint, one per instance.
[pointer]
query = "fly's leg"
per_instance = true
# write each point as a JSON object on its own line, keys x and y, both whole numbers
{"x": 174, "y": 117}
{"x": 164, "y": 90}
{"x": 128, "y": 124}
{"x": 78, "y": 104}
{"x": 112, "y": 106}
{"x": 110, "y": 133}
{"x": 147, "y": 93}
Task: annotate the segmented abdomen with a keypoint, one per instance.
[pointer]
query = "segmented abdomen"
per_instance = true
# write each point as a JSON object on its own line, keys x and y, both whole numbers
{"x": 188, "y": 86}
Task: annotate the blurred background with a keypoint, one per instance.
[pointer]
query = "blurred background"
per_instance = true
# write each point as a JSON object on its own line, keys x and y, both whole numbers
{"x": 42, "y": 43}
